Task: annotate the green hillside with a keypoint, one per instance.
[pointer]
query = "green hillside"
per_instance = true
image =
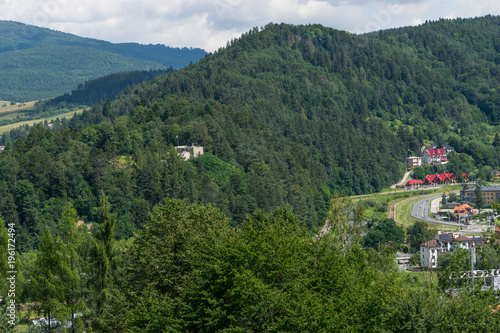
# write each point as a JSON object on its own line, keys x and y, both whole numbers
{"x": 290, "y": 118}
{"x": 302, "y": 112}
{"x": 38, "y": 63}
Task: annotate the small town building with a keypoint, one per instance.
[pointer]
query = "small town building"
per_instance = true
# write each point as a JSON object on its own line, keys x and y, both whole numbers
{"x": 442, "y": 243}
{"x": 413, "y": 162}
{"x": 187, "y": 152}
{"x": 490, "y": 194}
{"x": 448, "y": 148}
{"x": 462, "y": 213}
{"x": 440, "y": 178}
{"x": 438, "y": 155}
{"x": 415, "y": 182}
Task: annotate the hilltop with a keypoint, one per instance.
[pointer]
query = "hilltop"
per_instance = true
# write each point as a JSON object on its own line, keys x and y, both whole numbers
{"x": 39, "y": 63}
{"x": 290, "y": 118}
{"x": 290, "y": 115}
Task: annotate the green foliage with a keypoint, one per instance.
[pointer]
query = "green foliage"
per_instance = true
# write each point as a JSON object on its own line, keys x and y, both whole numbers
{"x": 101, "y": 263}
{"x": 266, "y": 275}
{"x": 343, "y": 226}
{"x": 101, "y": 89}
{"x": 189, "y": 271}
{"x": 288, "y": 116}
{"x": 385, "y": 231}
{"x": 479, "y": 201}
{"x": 49, "y": 63}
{"x": 46, "y": 284}
{"x": 451, "y": 266}
{"x": 7, "y": 325}
{"x": 70, "y": 245}
{"x": 415, "y": 259}
{"x": 218, "y": 170}
{"x": 417, "y": 234}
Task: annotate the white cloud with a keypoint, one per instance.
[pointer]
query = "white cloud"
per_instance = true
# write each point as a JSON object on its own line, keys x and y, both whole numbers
{"x": 210, "y": 24}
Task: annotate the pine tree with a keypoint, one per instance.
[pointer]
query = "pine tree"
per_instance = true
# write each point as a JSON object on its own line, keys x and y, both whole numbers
{"x": 47, "y": 286}
{"x": 496, "y": 141}
{"x": 101, "y": 261}
{"x": 478, "y": 198}
{"x": 71, "y": 263}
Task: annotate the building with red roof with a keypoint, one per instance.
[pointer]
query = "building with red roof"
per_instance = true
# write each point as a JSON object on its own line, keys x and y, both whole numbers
{"x": 413, "y": 182}
{"x": 440, "y": 178}
{"x": 434, "y": 155}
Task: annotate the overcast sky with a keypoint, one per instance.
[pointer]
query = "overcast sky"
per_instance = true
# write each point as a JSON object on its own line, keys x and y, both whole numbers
{"x": 210, "y": 24}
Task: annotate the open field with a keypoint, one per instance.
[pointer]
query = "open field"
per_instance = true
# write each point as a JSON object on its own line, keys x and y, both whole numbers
{"x": 9, "y": 127}
{"x": 15, "y": 107}
{"x": 9, "y": 112}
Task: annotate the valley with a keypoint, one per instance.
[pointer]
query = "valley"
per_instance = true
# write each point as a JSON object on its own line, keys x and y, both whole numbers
{"x": 115, "y": 230}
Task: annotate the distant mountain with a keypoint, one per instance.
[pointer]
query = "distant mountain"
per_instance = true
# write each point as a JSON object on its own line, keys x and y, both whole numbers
{"x": 38, "y": 62}
{"x": 104, "y": 88}
{"x": 288, "y": 116}
{"x": 308, "y": 111}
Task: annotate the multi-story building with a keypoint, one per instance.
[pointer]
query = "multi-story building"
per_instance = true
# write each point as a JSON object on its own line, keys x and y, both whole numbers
{"x": 490, "y": 194}
{"x": 434, "y": 155}
{"x": 413, "y": 161}
{"x": 442, "y": 243}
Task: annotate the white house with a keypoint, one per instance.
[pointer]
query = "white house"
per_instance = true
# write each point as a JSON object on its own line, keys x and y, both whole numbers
{"x": 434, "y": 155}
{"x": 442, "y": 243}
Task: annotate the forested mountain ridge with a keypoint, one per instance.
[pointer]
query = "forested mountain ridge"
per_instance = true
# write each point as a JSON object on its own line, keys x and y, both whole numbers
{"x": 104, "y": 88}
{"x": 296, "y": 80}
{"x": 38, "y": 62}
{"x": 288, "y": 116}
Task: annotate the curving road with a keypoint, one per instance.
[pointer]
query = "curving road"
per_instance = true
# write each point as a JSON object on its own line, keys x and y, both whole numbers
{"x": 421, "y": 212}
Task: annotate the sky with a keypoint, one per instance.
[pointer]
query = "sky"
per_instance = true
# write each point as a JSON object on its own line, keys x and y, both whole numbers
{"x": 211, "y": 24}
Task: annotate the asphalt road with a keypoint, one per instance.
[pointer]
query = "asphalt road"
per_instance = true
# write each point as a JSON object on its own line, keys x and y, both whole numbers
{"x": 421, "y": 212}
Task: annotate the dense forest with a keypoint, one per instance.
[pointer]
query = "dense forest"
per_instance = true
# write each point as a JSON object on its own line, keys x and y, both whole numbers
{"x": 103, "y": 88}
{"x": 39, "y": 63}
{"x": 289, "y": 117}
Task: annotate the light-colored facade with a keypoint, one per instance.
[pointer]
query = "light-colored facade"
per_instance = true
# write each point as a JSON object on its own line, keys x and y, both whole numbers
{"x": 413, "y": 162}
{"x": 187, "y": 152}
{"x": 442, "y": 243}
{"x": 490, "y": 194}
{"x": 434, "y": 155}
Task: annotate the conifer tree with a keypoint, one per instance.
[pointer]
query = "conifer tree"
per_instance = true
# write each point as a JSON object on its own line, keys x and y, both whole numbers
{"x": 478, "y": 198}
{"x": 47, "y": 286}
{"x": 101, "y": 257}
{"x": 69, "y": 245}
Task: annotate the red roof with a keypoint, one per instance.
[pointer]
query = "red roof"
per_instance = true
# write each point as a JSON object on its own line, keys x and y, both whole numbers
{"x": 449, "y": 176}
{"x": 439, "y": 152}
{"x": 430, "y": 179}
{"x": 431, "y": 243}
{"x": 441, "y": 177}
{"x": 415, "y": 182}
